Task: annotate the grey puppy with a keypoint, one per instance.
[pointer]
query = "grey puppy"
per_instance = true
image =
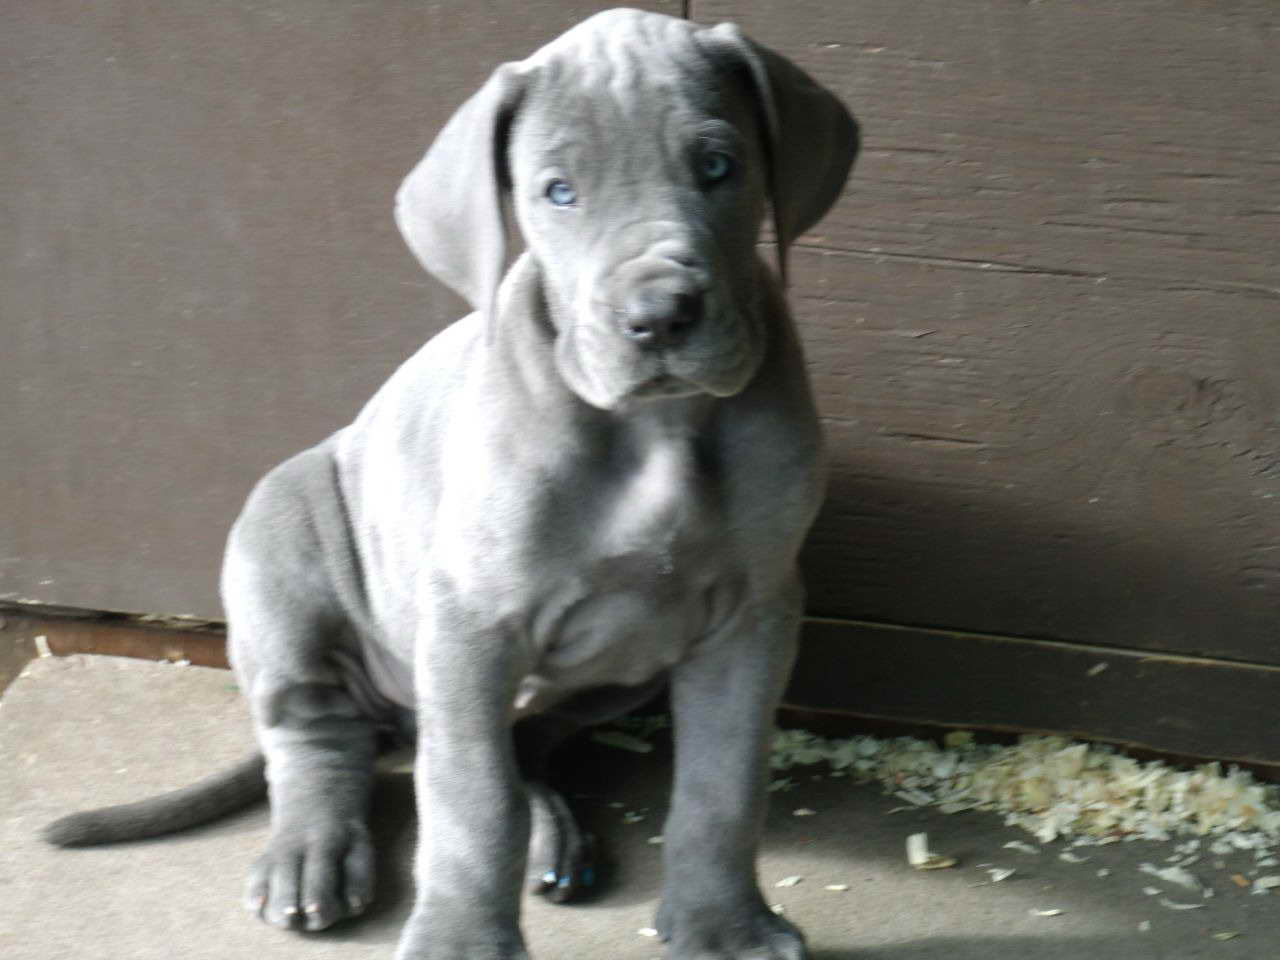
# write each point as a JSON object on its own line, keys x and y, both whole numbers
{"x": 596, "y": 483}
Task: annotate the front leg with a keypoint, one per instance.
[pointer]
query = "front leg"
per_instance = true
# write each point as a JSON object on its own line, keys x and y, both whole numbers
{"x": 473, "y": 813}
{"x": 724, "y": 699}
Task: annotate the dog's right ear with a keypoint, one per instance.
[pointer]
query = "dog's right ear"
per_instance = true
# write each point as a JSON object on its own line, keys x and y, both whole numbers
{"x": 450, "y": 208}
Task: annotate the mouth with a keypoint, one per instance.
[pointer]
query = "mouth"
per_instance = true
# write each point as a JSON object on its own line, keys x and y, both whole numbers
{"x": 665, "y": 385}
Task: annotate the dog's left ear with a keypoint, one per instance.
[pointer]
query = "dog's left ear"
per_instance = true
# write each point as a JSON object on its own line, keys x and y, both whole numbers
{"x": 810, "y": 138}
{"x": 450, "y": 207}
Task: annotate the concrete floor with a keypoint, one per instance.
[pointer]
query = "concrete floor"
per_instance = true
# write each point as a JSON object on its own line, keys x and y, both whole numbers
{"x": 84, "y": 731}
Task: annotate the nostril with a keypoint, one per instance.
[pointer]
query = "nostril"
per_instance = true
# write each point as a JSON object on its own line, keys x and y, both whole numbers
{"x": 688, "y": 311}
{"x": 659, "y": 318}
{"x": 637, "y": 331}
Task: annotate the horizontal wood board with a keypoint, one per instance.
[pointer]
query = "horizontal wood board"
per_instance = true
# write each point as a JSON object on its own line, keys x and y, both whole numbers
{"x": 1044, "y": 321}
{"x": 850, "y": 673}
{"x": 1184, "y": 706}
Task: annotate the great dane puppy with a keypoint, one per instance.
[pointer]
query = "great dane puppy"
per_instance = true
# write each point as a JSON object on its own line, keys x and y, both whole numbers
{"x": 596, "y": 483}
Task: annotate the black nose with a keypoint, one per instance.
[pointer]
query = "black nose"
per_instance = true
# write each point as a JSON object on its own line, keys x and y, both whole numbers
{"x": 656, "y": 318}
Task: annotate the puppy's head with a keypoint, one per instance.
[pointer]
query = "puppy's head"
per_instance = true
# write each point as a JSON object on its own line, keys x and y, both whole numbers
{"x": 638, "y": 154}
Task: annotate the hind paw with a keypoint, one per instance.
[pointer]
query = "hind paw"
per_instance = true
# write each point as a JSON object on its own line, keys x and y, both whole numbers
{"x": 562, "y": 859}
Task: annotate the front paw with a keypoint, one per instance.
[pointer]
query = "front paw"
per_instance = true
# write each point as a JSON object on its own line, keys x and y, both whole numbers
{"x": 313, "y": 875}
{"x": 748, "y": 931}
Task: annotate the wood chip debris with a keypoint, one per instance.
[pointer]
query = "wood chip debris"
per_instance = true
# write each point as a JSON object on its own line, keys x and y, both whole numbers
{"x": 1226, "y": 935}
{"x": 1178, "y": 876}
{"x": 647, "y": 932}
{"x": 789, "y": 881}
{"x": 1055, "y": 787}
{"x": 804, "y": 812}
{"x": 1266, "y": 884}
{"x": 1052, "y": 912}
{"x": 919, "y": 856}
{"x": 1173, "y": 905}
{"x": 999, "y": 874}
{"x": 836, "y": 887}
{"x": 1021, "y": 847}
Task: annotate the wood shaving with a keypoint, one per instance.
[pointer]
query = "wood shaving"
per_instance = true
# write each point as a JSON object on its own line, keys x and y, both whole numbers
{"x": 920, "y": 857}
{"x": 1175, "y": 875}
{"x": 789, "y": 881}
{"x": 938, "y": 863}
{"x": 1054, "y": 912}
{"x": 1266, "y": 884}
{"x": 918, "y": 849}
{"x": 1054, "y": 787}
{"x": 1021, "y": 847}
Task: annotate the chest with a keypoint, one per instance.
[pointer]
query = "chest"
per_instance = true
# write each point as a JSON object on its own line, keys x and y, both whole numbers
{"x": 608, "y": 564}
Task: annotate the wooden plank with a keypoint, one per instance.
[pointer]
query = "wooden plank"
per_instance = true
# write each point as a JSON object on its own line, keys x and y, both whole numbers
{"x": 1043, "y": 321}
{"x": 199, "y": 273}
{"x": 1107, "y": 473}
{"x": 1131, "y": 138}
{"x": 1191, "y": 707}
{"x": 850, "y": 672}
{"x": 67, "y": 632}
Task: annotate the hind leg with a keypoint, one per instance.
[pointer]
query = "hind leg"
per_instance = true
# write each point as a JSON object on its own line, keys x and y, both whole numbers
{"x": 561, "y": 861}
{"x": 318, "y": 743}
{"x": 562, "y": 856}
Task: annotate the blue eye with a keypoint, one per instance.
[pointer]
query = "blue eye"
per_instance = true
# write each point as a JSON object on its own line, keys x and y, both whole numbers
{"x": 714, "y": 166}
{"x": 561, "y": 193}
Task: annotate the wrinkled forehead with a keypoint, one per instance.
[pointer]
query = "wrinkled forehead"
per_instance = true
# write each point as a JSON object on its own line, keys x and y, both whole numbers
{"x": 622, "y": 49}
{"x": 652, "y": 93}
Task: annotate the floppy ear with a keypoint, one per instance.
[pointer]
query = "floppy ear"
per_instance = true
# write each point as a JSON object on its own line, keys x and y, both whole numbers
{"x": 449, "y": 208}
{"x": 810, "y": 138}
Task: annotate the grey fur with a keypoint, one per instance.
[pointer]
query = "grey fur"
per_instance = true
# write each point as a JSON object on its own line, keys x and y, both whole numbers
{"x": 597, "y": 481}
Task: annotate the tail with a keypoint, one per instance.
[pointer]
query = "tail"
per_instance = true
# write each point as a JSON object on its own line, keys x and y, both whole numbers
{"x": 211, "y": 798}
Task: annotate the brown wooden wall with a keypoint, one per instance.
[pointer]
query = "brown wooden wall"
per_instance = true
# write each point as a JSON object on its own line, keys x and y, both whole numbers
{"x": 1044, "y": 322}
